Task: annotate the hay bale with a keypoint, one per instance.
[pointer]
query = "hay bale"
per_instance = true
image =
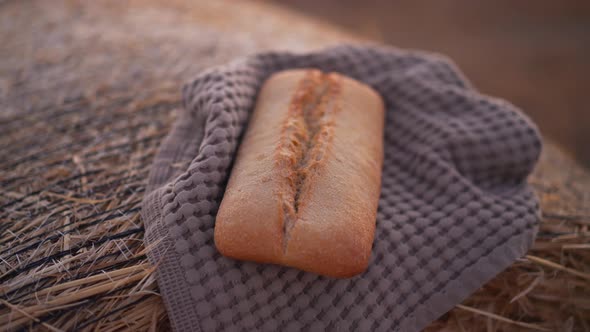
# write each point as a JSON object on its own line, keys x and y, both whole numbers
{"x": 87, "y": 92}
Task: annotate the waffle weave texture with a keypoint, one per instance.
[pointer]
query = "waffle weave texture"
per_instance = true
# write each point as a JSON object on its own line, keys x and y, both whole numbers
{"x": 455, "y": 208}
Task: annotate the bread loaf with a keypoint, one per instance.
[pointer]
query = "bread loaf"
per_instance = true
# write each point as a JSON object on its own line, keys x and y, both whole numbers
{"x": 304, "y": 188}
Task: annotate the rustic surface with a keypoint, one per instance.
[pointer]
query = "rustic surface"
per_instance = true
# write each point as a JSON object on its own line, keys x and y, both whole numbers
{"x": 87, "y": 92}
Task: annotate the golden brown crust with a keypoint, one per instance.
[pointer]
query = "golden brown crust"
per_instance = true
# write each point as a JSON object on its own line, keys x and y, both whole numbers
{"x": 305, "y": 184}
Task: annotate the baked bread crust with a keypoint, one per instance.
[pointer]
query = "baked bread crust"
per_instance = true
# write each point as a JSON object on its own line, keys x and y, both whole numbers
{"x": 305, "y": 185}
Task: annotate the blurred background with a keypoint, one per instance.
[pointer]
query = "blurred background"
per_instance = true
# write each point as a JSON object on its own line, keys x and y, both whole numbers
{"x": 534, "y": 53}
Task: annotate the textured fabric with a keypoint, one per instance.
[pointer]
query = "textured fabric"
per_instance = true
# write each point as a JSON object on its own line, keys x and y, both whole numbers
{"x": 454, "y": 211}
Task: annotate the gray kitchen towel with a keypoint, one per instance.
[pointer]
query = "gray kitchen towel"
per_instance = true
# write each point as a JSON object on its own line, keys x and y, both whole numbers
{"x": 455, "y": 208}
